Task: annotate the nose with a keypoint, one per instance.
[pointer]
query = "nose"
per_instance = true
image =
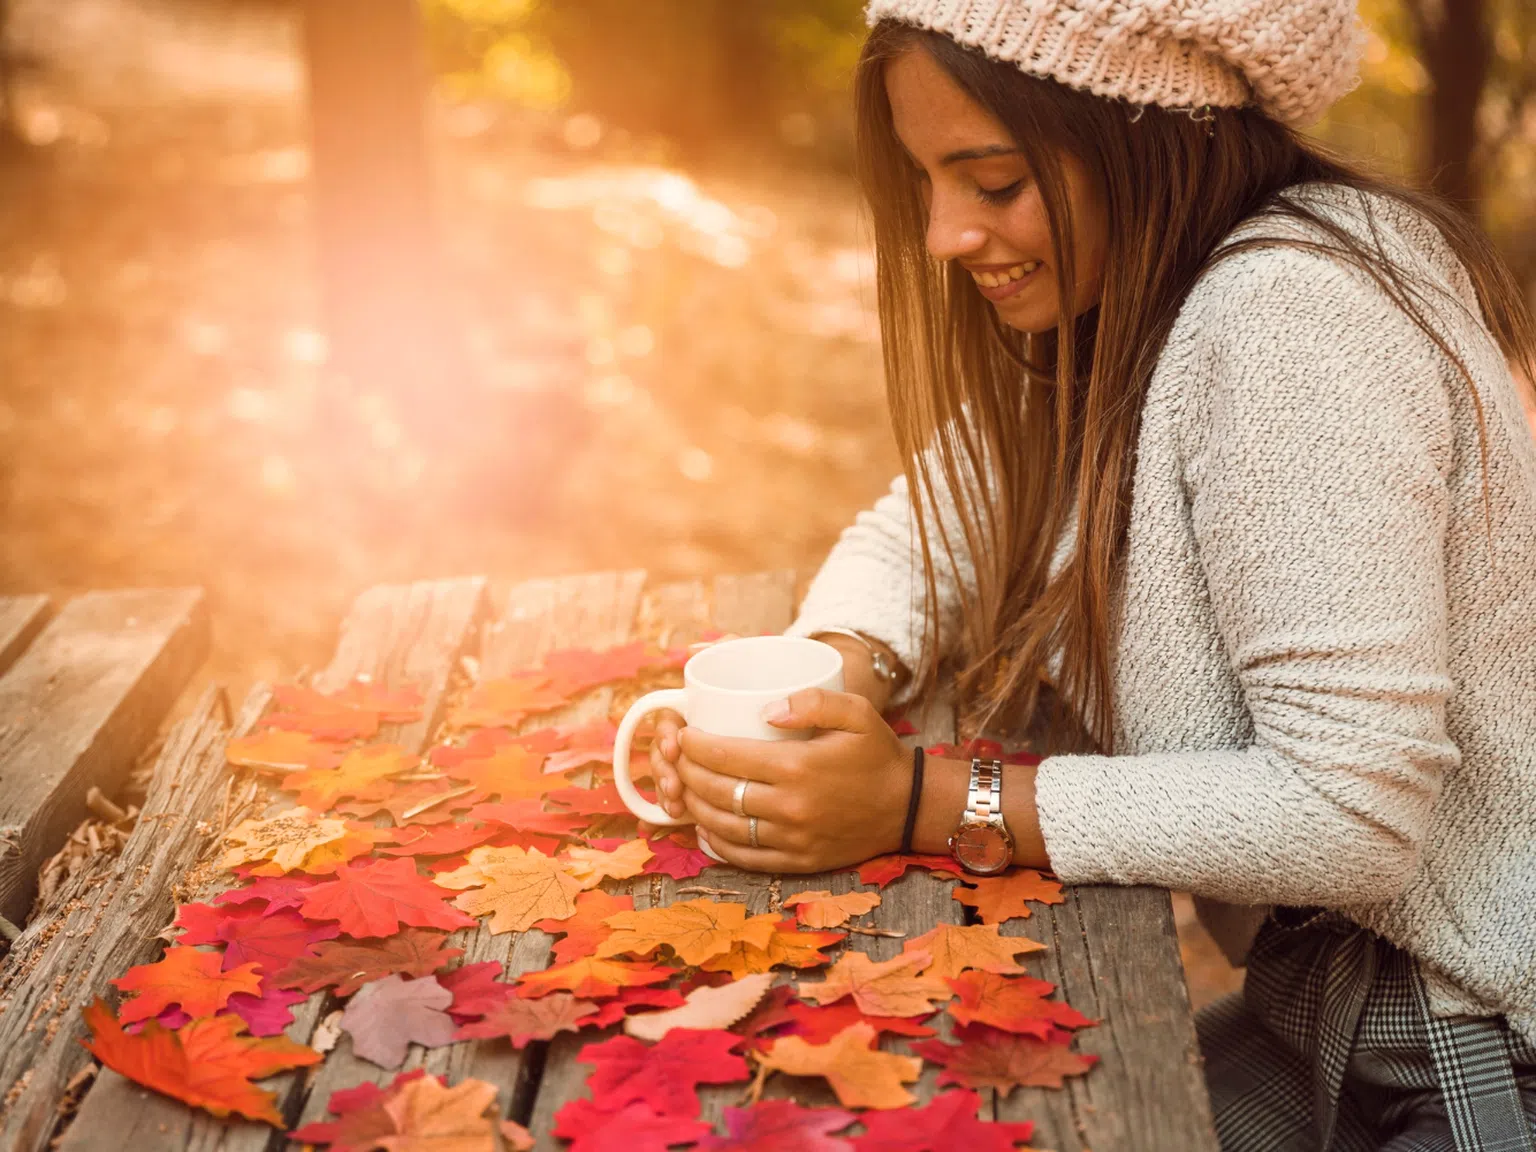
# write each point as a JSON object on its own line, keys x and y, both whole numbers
{"x": 953, "y": 231}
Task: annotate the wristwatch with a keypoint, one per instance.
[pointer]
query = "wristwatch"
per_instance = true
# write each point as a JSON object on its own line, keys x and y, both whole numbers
{"x": 884, "y": 670}
{"x": 981, "y": 844}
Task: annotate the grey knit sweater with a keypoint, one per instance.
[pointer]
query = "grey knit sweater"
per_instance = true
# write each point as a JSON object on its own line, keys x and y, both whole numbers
{"x": 1325, "y": 675}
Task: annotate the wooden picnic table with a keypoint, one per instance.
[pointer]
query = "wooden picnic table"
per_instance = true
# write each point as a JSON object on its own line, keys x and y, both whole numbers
{"x": 79, "y": 702}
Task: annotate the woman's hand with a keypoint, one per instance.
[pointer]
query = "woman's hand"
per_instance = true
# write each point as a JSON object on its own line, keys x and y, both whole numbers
{"x": 834, "y": 800}
{"x": 665, "y": 750}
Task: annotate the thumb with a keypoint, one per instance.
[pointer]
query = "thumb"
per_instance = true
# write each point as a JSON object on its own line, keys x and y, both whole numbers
{"x": 819, "y": 708}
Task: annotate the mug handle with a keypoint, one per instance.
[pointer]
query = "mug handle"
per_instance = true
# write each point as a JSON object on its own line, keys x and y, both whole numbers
{"x": 674, "y": 698}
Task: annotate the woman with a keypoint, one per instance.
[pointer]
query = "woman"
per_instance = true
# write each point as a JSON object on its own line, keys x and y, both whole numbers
{"x": 1259, "y": 506}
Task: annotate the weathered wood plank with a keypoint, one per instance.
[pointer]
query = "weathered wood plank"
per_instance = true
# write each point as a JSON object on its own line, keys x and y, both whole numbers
{"x": 105, "y": 921}
{"x": 1115, "y": 957}
{"x": 21, "y": 619}
{"x": 76, "y": 709}
{"x": 594, "y": 610}
{"x": 399, "y": 635}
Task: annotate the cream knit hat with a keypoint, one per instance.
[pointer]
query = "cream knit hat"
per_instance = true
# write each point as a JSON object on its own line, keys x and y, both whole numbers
{"x": 1292, "y": 57}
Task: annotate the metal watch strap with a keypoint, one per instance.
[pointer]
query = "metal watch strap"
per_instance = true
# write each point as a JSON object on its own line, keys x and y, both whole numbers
{"x": 984, "y": 799}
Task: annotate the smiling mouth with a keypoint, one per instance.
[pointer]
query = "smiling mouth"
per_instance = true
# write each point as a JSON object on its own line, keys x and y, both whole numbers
{"x": 1007, "y": 276}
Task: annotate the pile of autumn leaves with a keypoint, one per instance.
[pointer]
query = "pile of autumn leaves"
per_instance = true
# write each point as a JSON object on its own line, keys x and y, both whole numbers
{"x": 491, "y": 824}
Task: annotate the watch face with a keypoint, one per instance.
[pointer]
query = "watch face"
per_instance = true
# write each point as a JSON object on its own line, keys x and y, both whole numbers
{"x": 981, "y": 848}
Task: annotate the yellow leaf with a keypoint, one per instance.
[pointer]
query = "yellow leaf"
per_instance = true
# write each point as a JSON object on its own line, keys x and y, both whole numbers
{"x": 861, "y": 1075}
{"x": 694, "y": 929}
{"x": 592, "y": 866}
{"x": 361, "y": 771}
{"x": 286, "y": 839}
{"x": 706, "y": 1008}
{"x": 786, "y": 946}
{"x": 516, "y": 886}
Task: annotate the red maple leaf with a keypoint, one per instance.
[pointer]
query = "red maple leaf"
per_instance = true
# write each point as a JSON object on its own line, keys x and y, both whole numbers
{"x": 353, "y": 713}
{"x": 948, "y": 1121}
{"x": 377, "y": 897}
{"x": 986, "y": 749}
{"x": 187, "y": 977}
{"x": 209, "y": 1064}
{"x": 505, "y": 702}
{"x": 819, "y": 1025}
{"x": 883, "y": 869}
{"x": 781, "y": 1125}
{"x": 522, "y": 1021}
{"x": 277, "y": 892}
{"x": 1013, "y": 1004}
{"x": 420, "y": 802}
{"x": 442, "y": 840}
{"x": 201, "y": 923}
{"x": 272, "y": 941}
{"x": 771, "y": 1013}
{"x": 477, "y": 989}
{"x": 664, "y": 1076}
{"x": 987, "y": 1058}
{"x": 528, "y": 816}
{"x": 590, "y": 744}
{"x": 633, "y": 1128}
{"x": 601, "y": 801}
{"x": 575, "y": 670}
{"x": 347, "y": 965}
{"x": 676, "y": 857}
{"x": 270, "y": 1012}
{"x": 613, "y": 1010}
{"x": 585, "y": 930}
{"x": 361, "y": 1118}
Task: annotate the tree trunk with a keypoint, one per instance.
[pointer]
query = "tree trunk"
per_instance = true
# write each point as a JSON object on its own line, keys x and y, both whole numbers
{"x": 379, "y": 261}
{"x": 1454, "y": 44}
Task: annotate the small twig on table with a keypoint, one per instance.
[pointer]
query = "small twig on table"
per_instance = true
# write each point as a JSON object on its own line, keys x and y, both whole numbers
{"x": 862, "y": 931}
{"x": 417, "y": 809}
{"x": 703, "y": 890}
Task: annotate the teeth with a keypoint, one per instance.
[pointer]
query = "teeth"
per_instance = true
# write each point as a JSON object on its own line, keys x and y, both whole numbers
{"x": 998, "y": 279}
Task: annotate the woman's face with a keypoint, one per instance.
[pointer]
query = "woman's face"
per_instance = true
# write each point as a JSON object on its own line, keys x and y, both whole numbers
{"x": 984, "y": 207}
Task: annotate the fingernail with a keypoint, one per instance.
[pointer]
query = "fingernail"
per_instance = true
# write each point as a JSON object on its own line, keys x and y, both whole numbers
{"x": 670, "y": 786}
{"x": 778, "y": 710}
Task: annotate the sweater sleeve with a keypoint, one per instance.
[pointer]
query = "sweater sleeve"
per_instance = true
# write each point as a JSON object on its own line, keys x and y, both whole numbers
{"x": 1319, "y": 504}
{"x": 872, "y": 580}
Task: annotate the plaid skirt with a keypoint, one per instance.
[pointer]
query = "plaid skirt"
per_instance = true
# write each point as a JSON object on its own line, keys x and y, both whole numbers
{"x": 1330, "y": 1047}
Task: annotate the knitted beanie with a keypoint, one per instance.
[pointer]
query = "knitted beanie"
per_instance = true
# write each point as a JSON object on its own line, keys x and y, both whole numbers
{"x": 1292, "y": 57}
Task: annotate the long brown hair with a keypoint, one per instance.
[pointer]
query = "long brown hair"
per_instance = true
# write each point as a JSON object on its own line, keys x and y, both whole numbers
{"x": 1011, "y": 422}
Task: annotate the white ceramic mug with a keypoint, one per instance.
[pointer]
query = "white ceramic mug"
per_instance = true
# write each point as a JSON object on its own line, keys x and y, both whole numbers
{"x": 725, "y": 689}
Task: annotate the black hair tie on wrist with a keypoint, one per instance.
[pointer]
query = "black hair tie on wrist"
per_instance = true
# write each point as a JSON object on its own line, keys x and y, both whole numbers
{"x": 912, "y": 802}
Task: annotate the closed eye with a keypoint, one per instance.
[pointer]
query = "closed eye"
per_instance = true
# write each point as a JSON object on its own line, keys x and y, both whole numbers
{"x": 1000, "y": 195}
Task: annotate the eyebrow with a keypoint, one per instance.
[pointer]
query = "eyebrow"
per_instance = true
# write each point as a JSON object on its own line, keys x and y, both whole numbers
{"x": 977, "y": 154}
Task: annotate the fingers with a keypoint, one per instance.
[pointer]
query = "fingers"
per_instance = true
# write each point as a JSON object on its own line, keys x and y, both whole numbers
{"x": 664, "y": 754}
{"x": 737, "y": 756}
{"x": 762, "y": 800}
{"x": 750, "y": 859}
{"x": 819, "y": 708}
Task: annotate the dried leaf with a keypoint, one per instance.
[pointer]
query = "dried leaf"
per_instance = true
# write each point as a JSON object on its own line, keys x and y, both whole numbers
{"x": 285, "y": 839}
{"x": 860, "y": 1074}
{"x": 516, "y": 886}
{"x": 208, "y": 1064}
{"x": 1000, "y": 898}
{"x": 694, "y": 929}
{"x": 346, "y": 965}
{"x": 522, "y": 1020}
{"x": 821, "y": 909}
{"x": 988, "y": 1058}
{"x": 706, "y": 1008}
{"x": 957, "y": 947}
{"x": 591, "y": 866}
{"x": 377, "y": 897}
{"x": 387, "y": 1015}
{"x": 1013, "y": 1004}
{"x": 186, "y": 977}
{"x": 888, "y": 988}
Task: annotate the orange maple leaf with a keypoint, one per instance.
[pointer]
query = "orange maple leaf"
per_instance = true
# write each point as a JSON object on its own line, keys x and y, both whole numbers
{"x": 694, "y": 929}
{"x": 187, "y": 977}
{"x": 277, "y": 749}
{"x": 208, "y": 1063}
{"x": 505, "y": 703}
{"x": 1013, "y": 1004}
{"x": 956, "y": 947}
{"x": 999, "y": 898}
{"x": 888, "y": 988}
{"x": 427, "y": 1115}
{"x": 585, "y": 930}
{"x": 786, "y": 946}
{"x": 860, "y": 1074}
{"x": 325, "y": 859}
{"x": 360, "y": 773}
{"x": 591, "y": 978}
{"x": 821, "y": 909}
{"x": 516, "y": 885}
{"x": 510, "y": 771}
{"x": 591, "y": 866}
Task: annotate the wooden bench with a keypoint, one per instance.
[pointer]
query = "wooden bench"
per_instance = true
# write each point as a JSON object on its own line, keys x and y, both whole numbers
{"x": 1112, "y": 950}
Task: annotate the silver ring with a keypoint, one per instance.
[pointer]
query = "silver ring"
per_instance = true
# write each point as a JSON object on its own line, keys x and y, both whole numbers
{"x": 739, "y": 798}
{"x": 752, "y": 831}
